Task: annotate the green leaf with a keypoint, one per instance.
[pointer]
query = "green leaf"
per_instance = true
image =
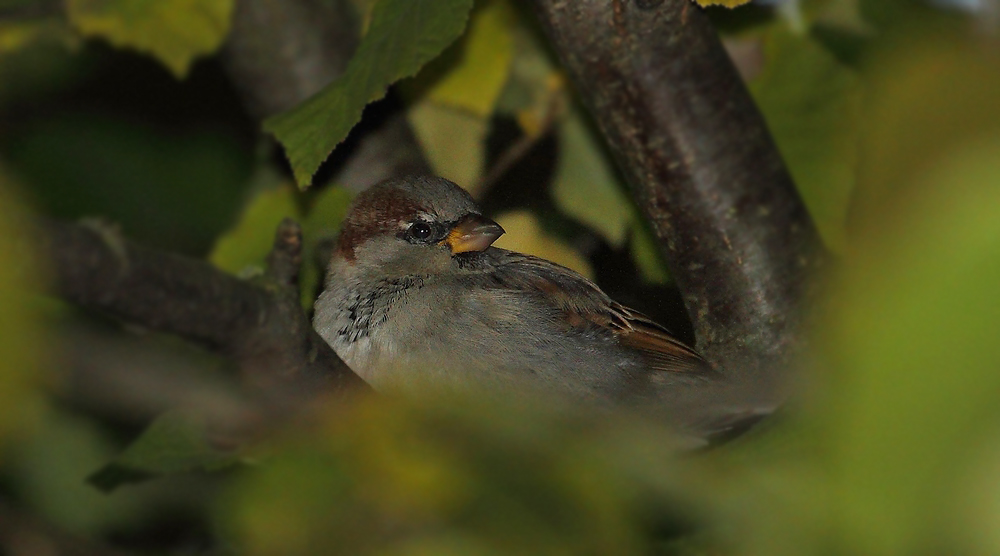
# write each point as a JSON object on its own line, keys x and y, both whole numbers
{"x": 812, "y": 104}
{"x": 174, "y": 31}
{"x": 916, "y": 357}
{"x": 525, "y": 234}
{"x": 474, "y": 78}
{"x": 174, "y": 443}
{"x": 403, "y": 36}
{"x": 453, "y": 140}
{"x": 243, "y": 249}
{"x": 586, "y": 185}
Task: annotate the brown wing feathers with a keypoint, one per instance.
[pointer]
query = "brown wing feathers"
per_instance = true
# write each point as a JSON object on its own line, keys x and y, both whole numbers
{"x": 592, "y": 306}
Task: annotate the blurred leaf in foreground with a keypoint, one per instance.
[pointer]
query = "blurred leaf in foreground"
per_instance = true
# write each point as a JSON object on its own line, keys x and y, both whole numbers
{"x": 724, "y": 3}
{"x": 174, "y": 31}
{"x": 917, "y": 352}
{"x": 20, "y": 329}
{"x": 403, "y": 36}
{"x": 243, "y": 249}
{"x": 51, "y": 468}
{"x": 388, "y": 478}
{"x": 901, "y": 452}
{"x": 176, "y": 442}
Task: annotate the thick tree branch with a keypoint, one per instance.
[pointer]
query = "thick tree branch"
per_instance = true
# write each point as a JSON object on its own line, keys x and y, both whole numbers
{"x": 261, "y": 326}
{"x": 703, "y": 167}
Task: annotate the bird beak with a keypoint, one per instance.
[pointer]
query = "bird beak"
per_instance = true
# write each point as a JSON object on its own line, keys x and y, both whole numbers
{"x": 473, "y": 233}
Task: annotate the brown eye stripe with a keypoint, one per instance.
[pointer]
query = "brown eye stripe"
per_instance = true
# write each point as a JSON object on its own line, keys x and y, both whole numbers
{"x": 374, "y": 212}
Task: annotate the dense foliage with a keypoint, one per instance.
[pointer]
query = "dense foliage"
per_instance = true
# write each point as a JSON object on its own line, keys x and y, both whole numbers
{"x": 885, "y": 110}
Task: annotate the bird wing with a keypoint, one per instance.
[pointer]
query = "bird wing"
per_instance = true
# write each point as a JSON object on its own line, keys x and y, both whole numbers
{"x": 586, "y": 305}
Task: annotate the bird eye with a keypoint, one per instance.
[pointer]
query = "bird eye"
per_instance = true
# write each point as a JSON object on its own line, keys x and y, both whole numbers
{"x": 420, "y": 230}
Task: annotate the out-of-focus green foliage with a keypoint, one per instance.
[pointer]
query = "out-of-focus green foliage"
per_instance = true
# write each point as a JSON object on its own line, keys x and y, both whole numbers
{"x": 812, "y": 103}
{"x": 174, "y": 31}
{"x": 146, "y": 178}
{"x": 525, "y": 234}
{"x": 471, "y": 74}
{"x": 384, "y": 477}
{"x": 21, "y": 333}
{"x": 176, "y": 442}
{"x": 887, "y": 114}
{"x": 724, "y": 3}
{"x": 243, "y": 249}
{"x": 403, "y": 36}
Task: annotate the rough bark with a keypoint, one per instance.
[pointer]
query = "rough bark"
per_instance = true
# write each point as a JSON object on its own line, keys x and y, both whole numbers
{"x": 704, "y": 169}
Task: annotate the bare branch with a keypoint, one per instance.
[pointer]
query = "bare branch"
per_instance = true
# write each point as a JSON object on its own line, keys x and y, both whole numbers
{"x": 703, "y": 167}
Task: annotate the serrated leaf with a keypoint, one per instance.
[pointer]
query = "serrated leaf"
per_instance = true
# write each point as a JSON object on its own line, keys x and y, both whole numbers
{"x": 403, "y": 36}
{"x": 244, "y": 248}
{"x": 174, "y": 31}
{"x": 474, "y": 80}
{"x": 175, "y": 442}
{"x": 453, "y": 140}
{"x": 812, "y": 104}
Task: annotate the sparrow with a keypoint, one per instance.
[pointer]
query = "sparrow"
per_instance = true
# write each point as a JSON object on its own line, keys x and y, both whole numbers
{"x": 417, "y": 298}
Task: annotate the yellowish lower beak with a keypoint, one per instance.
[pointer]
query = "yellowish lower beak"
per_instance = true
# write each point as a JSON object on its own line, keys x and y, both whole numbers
{"x": 473, "y": 233}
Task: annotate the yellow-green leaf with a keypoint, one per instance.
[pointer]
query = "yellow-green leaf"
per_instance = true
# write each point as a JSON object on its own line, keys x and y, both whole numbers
{"x": 474, "y": 79}
{"x": 453, "y": 140}
{"x": 244, "y": 248}
{"x": 586, "y": 185}
{"x": 174, "y": 31}
{"x": 524, "y": 234}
